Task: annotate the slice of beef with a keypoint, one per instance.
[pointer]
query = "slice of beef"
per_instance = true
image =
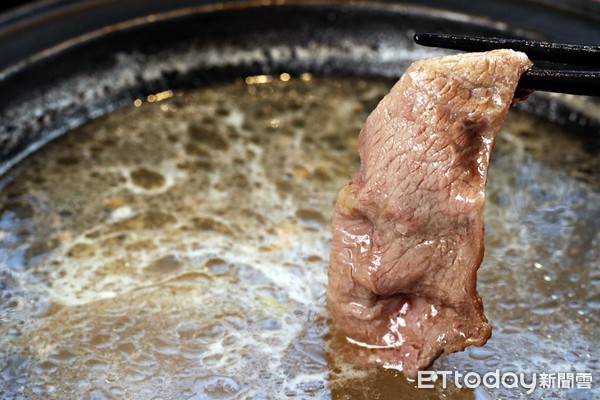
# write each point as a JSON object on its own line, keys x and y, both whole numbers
{"x": 408, "y": 229}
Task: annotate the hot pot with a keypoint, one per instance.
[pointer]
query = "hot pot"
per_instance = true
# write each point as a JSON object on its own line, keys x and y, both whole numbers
{"x": 65, "y": 63}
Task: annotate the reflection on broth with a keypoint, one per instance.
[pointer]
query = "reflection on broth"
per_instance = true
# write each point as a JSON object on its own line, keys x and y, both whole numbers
{"x": 178, "y": 249}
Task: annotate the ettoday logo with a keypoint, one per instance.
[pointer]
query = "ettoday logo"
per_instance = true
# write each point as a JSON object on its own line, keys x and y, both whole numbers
{"x": 508, "y": 380}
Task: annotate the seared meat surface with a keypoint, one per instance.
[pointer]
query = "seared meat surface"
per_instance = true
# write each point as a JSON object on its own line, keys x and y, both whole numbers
{"x": 408, "y": 229}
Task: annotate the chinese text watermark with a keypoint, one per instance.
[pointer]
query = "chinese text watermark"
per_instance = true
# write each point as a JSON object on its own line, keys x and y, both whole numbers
{"x": 508, "y": 380}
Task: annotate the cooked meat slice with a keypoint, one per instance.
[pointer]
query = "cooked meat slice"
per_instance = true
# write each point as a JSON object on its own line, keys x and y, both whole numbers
{"x": 408, "y": 229}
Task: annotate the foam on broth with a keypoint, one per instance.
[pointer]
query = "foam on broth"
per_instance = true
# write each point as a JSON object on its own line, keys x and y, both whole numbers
{"x": 178, "y": 249}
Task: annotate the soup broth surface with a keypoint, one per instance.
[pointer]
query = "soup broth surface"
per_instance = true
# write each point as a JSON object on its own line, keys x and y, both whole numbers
{"x": 178, "y": 249}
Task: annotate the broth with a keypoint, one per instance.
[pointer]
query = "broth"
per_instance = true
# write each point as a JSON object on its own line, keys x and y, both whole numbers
{"x": 178, "y": 248}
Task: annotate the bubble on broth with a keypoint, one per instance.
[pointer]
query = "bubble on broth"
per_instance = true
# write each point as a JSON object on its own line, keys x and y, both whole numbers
{"x": 179, "y": 248}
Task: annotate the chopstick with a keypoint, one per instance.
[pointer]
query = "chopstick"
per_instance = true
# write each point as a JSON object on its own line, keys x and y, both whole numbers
{"x": 585, "y": 83}
{"x": 581, "y": 82}
{"x": 574, "y": 54}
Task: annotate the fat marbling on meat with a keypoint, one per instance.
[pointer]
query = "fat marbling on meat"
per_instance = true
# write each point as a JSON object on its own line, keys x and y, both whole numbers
{"x": 408, "y": 229}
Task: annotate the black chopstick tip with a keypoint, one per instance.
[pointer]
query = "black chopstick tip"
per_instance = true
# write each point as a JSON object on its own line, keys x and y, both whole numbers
{"x": 421, "y": 38}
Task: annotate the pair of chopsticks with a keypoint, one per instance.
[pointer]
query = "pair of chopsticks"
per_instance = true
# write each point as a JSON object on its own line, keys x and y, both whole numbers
{"x": 582, "y": 82}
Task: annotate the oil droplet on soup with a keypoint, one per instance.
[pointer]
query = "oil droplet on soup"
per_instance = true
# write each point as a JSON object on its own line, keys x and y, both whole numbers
{"x": 178, "y": 249}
